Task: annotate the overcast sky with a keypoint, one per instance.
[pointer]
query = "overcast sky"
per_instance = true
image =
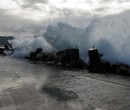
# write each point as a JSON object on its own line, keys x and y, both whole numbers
{"x": 30, "y": 17}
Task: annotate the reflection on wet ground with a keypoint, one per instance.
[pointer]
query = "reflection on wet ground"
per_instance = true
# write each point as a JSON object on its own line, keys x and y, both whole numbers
{"x": 21, "y": 83}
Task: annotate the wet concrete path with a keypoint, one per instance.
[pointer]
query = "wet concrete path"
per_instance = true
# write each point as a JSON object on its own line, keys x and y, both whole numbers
{"x": 21, "y": 81}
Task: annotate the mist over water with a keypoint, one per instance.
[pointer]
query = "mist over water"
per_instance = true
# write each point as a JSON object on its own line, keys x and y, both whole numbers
{"x": 110, "y": 34}
{"x": 23, "y": 46}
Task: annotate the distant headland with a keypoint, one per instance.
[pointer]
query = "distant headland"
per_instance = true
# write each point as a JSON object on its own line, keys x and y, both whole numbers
{"x": 4, "y": 39}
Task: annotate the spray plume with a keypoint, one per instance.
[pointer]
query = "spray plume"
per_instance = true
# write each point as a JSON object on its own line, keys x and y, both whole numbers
{"x": 110, "y": 34}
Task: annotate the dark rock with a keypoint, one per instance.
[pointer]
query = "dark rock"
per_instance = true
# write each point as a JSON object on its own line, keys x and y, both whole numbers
{"x": 2, "y": 49}
{"x": 69, "y": 57}
{"x": 121, "y": 69}
{"x": 95, "y": 62}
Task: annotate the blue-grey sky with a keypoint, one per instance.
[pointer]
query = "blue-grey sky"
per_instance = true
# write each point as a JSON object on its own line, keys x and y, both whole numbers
{"x": 29, "y": 17}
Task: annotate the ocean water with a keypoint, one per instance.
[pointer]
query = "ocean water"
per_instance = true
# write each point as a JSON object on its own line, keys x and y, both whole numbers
{"x": 21, "y": 83}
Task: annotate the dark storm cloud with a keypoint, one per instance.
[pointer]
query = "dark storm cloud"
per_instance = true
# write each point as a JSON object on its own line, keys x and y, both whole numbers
{"x": 15, "y": 26}
{"x": 31, "y": 3}
{"x": 35, "y": 1}
{"x": 117, "y": 1}
{"x": 61, "y": 12}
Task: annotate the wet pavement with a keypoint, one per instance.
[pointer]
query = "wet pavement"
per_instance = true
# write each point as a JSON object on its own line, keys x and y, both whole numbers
{"x": 21, "y": 81}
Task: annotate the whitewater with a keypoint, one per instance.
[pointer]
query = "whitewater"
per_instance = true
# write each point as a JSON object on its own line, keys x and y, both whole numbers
{"x": 69, "y": 24}
{"x": 110, "y": 34}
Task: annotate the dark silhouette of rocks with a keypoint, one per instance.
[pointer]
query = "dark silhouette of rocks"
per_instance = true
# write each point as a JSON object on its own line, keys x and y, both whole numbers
{"x": 4, "y": 39}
